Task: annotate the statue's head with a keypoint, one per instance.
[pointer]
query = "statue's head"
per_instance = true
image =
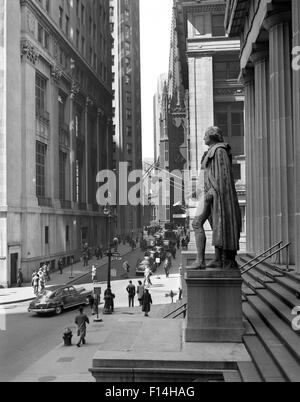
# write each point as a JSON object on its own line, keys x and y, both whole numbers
{"x": 213, "y": 135}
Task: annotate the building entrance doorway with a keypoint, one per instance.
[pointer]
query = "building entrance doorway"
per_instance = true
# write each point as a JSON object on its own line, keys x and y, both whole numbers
{"x": 13, "y": 268}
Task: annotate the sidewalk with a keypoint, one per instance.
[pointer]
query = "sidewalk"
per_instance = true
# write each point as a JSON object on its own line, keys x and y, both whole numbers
{"x": 72, "y": 364}
{"x": 24, "y": 294}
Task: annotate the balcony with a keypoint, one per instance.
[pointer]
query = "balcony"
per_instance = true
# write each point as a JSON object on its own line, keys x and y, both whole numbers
{"x": 66, "y": 204}
{"x": 64, "y": 135}
{"x": 45, "y": 202}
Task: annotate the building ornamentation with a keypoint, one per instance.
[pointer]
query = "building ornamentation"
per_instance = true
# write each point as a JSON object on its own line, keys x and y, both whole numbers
{"x": 75, "y": 89}
{"x": 56, "y": 73}
{"x": 229, "y": 91}
{"x": 29, "y": 51}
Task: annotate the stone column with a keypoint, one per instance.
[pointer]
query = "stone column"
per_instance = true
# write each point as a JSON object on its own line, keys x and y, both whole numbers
{"x": 86, "y": 157}
{"x": 201, "y": 99}
{"x": 248, "y": 80}
{"x": 99, "y": 116}
{"x": 296, "y": 114}
{"x": 72, "y": 147}
{"x": 281, "y": 129}
{"x": 260, "y": 59}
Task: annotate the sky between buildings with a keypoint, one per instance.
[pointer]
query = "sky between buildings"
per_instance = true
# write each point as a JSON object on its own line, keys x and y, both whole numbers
{"x": 155, "y": 48}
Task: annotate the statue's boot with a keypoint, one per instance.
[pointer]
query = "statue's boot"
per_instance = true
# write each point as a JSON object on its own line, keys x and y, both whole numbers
{"x": 201, "y": 245}
{"x": 230, "y": 260}
{"x": 217, "y": 262}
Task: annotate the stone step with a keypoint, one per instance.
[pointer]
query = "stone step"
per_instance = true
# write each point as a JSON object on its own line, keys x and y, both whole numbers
{"x": 232, "y": 376}
{"x": 248, "y": 372}
{"x": 252, "y": 283}
{"x": 289, "y": 284}
{"x": 265, "y": 365}
{"x": 281, "y": 309}
{"x": 286, "y": 362}
{"x": 259, "y": 277}
{"x": 247, "y": 291}
{"x": 283, "y": 294}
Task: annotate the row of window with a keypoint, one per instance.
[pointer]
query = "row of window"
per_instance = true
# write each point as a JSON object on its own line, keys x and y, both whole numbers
{"x": 91, "y": 52}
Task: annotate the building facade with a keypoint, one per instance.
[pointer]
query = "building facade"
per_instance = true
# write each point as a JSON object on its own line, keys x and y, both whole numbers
{"x": 270, "y": 38}
{"x": 56, "y": 106}
{"x": 209, "y": 63}
{"x": 127, "y": 140}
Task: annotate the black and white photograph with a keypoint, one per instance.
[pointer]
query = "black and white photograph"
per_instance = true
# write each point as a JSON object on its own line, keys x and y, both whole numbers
{"x": 149, "y": 194}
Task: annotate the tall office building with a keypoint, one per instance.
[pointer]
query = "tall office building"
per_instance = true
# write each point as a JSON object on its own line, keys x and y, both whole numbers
{"x": 127, "y": 140}
{"x": 55, "y": 133}
{"x": 209, "y": 63}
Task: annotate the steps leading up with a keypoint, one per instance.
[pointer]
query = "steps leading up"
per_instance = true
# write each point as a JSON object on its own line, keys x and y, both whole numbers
{"x": 284, "y": 359}
{"x": 270, "y": 295}
{"x": 267, "y": 369}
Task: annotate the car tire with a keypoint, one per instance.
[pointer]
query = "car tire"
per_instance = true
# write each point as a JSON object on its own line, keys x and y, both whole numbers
{"x": 58, "y": 310}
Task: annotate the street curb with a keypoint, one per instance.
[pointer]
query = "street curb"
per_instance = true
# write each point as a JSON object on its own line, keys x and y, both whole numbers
{"x": 16, "y": 302}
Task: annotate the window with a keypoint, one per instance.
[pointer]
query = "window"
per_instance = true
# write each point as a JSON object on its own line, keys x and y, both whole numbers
{"x": 230, "y": 118}
{"x": 67, "y": 26}
{"x": 61, "y": 13}
{"x": 218, "y": 28}
{"x": 62, "y": 175}
{"x": 128, "y": 97}
{"x": 40, "y": 94}
{"x": 226, "y": 70}
{"x": 46, "y": 234}
{"x": 128, "y": 114}
{"x": 129, "y": 149}
{"x": 67, "y": 234}
{"x": 129, "y": 131}
{"x": 41, "y": 150}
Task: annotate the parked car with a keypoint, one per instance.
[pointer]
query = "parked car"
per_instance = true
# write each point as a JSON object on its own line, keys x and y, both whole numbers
{"x": 56, "y": 299}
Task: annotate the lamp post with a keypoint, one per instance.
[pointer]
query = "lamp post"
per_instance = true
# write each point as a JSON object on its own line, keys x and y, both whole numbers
{"x": 108, "y": 302}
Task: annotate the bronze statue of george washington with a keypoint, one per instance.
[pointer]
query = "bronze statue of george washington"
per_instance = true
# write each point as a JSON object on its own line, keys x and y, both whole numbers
{"x": 220, "y": 205}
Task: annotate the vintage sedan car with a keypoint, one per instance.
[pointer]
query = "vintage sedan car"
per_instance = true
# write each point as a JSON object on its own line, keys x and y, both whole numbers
{"x": 56, "y": 299}
{"x": 141, "y": 266}
{"x": 160, "y": 252}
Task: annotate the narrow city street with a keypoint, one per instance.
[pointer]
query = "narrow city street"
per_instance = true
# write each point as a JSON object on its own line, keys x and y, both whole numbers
{"x": 29, "y": 337}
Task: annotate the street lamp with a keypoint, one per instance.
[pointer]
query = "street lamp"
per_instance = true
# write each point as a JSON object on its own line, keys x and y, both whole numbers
{"x": 108, "y": 301}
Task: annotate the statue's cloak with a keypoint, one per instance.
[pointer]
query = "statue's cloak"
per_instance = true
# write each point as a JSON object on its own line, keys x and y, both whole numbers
{"x": 220, "y": 188}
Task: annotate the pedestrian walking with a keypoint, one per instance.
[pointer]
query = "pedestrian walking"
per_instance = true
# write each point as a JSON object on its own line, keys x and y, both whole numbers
{"x": 126, "y": 267}
{"x": 140, "y": 292}
{"x": 60, "y": 265}
{"x": 81, "y": 320}
{"x": 35, "y": 282}
{"x": 131, "y": 293}
{"x": 109, "y": 300}
{"x": 116, "y": 244}
{"x": 167, "y": 266}
{"x": 147, "y": 301}
{"x": 147, "y": 274}
{"x": 94, "y": 273}
{"x": 20, "y": 278}
{"x": 47, "y": 272}
{"x": 41, "y": 282}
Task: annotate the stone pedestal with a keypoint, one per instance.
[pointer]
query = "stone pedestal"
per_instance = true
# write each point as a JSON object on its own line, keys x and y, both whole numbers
{"x": 214, "y": 306}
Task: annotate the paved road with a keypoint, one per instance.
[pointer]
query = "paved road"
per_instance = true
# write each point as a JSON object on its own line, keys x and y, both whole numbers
{"x": 28, "y": 337}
